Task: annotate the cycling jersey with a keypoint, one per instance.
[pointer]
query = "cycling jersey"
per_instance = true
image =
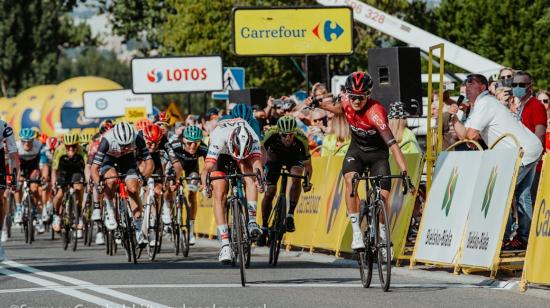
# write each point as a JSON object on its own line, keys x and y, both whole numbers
{"x": 70, "y": 170}
{"x": 177, "y": 153}
{"x": 298, "y": 150}
{"x": 30, "y": 160}
{"x": 46, "y": 156}
{"x": 221, "y": 134}
{"x": 109, "y": 148}
{"x": 369, "y": 126}
{"x": 6, "y": 135}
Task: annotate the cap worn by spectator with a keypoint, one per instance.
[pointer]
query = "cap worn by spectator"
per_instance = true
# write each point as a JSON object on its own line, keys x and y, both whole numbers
{"x": 211, "y": 112}
{"x": 397, "y": 111}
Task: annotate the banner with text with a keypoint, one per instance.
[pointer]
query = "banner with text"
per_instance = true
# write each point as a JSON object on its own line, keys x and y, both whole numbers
{"x": 113, "y": 103}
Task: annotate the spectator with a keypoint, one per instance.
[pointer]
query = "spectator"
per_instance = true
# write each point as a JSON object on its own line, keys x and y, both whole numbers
{"x": 261, "y": 116}
{"x": 211, "y": 120}
{"x": 274, "y": 110}
{"x": 336, "y": 142}
{"x": 398, "y": 125}
{"x": 449, "y": 136}
{"x": 489, "y": 120}
{"x": 288, "y": 106}
{"x": 318, "y": 128}
{"x": 506, "y": 75}
{"x": 531, "y": 111}
{"x": 544, "y": 97}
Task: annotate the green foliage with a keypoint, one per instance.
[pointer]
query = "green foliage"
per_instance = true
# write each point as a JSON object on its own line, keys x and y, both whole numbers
{"x": 92, "y": 62}
{"x": 32, "y": 34}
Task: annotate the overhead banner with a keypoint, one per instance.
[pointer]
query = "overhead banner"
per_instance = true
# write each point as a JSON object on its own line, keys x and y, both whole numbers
{"x": 537, "y": 262}
{"x": 259, "y": 31}
{"x": 113, "y": 103}
{"x": 489, "y": 208}
{"x": 446, "y": 211}
{"x": 177, "y": 74}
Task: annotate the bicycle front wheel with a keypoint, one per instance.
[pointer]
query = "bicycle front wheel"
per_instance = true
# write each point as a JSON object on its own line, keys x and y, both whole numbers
{"x": 76, "y": 221}
{"x": 383, "y": 243}
{"x": 365, "y": 257}
{"x": 239, "y": 229}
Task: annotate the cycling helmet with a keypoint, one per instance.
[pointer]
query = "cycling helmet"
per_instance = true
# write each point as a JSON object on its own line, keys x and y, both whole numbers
{"x": 27, "y": 134}
{"x": 71, "y": 139}
{"x": 52, "y": 143}
{"x": 105, "y": 126}
{"x": 358, "y": 83}
{"x": 242, "y": 111}
{"x": 164, "y": 117}
{"x": 287, "y": 124}
{"x": 240, "y": 143}
{"x": 42, "y": 138}
{"x": 192, "y": 133}
{"x": 141, "y": 124}
{"x": 152, "y": 133}
{"x": 86, "y": 138}
{"x": 124, "y": 133}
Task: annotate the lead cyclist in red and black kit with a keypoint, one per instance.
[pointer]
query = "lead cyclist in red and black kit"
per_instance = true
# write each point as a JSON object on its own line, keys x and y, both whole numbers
{"x": 371, "y": 138}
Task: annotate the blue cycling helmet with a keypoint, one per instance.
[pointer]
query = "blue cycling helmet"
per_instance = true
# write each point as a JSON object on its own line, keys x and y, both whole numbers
{"x": 242, "y": 111}
{"x": 27, "y": 134}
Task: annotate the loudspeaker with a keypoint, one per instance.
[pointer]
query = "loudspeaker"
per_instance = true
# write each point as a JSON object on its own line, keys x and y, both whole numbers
{"x": 396, "y": 75}
{"x": 249, "y": 96}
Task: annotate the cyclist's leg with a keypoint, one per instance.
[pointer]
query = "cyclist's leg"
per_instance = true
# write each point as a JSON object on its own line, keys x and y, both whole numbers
{"x": 251, "y": 191}
{"x": 273, "y": 171}
{"x": 379, "y": 165}
{"x": 45, "y": 189}
{"x": 295, "y": 187}
{"x": 219, "y": 193}
{"x": 57, "y": 209}
{"x": 78, "y": 184}
{"x": 351, "y": 166}
{"x": 107, "y": 170}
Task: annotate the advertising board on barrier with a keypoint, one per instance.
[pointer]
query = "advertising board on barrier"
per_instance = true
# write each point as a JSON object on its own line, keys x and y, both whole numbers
{"x": 292, "y": 31}
{"x": 113, "y": 103}
{"x": 444, "y": 216}
{"x": 489, "y": 207}
{"x": 177, "y": 74}
{"x": 537, "y": 269}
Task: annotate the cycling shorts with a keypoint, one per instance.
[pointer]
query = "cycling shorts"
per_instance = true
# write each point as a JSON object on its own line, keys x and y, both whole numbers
{"x": 377, "y": 162}
{"x": 273, "y": 169}
{"x": 31, "y": 168}
{"x": 123, "y": 165}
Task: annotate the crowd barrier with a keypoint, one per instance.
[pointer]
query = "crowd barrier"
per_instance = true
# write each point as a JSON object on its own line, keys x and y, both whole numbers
{"x": 321, "y": 216}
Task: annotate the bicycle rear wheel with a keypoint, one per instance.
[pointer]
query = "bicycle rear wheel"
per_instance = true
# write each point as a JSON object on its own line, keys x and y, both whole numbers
{"x": 365, "y": 257}
{"x": 184, "y": 230}
{"x": 154, "y": 227}
{"x": 239, "y": 228}
{"x": 76, "y": 220}
{"x": 278, "y": 230}
{"x": 11, "y": 209}
{"x": 383, "y": 244}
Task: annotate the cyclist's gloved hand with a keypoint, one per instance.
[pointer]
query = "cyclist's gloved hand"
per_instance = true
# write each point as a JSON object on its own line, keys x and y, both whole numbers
{"x": 408, "y": 183}
{"x": 307, "y": 186}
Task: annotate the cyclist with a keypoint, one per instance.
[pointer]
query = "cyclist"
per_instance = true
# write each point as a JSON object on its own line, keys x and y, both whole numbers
{"x": 7, "y": 144}
{"x": 46, "y": 157}
{"x": 370, "y": 139}
{"x": 244, "y": 111}
{"x": 68, "y": 165}
{"x": 184, "y": 152}
{"x": 119, "y": 150}
{"x": 29, "y": 149}
{"x": 236, "y": 138}
{"x": 284, "y": 145}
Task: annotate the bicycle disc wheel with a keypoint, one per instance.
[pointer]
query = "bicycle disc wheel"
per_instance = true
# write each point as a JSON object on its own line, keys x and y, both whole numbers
{"x": 365, "y": 257}
{"x": 237, "y": 226}
{"x": 384, "y": 248}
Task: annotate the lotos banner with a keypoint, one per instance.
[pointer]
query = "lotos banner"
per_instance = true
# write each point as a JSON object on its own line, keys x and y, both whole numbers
{"x": 489, "y": 209}
{"x": 292, "y": 30}
{"x": 446, "y": 211}
{"x": 537, "y": 267}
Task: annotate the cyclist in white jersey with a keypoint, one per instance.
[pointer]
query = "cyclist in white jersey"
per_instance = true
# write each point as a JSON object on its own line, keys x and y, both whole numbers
{"x": 7, "y": 142}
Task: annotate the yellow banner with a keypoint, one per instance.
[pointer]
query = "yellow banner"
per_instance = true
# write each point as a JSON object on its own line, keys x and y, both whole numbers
{"x": 292, "y": 31}
{"x": 537, "y": 264}
{"x": 133, "y": 114}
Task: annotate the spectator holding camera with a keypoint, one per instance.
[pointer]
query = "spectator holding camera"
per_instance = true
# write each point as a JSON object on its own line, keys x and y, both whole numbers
{"x": 489, "y": 119}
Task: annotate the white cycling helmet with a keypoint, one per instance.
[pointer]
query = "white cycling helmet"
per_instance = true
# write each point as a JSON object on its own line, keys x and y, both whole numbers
{"x": 240, "y": 143}
{"x": 124, "y": 133}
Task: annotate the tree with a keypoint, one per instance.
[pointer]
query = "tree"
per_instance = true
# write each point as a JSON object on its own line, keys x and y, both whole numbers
{"x": 32, "y": 34}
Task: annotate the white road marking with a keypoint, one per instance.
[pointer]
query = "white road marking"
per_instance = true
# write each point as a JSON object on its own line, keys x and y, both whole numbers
{"x": 48, "y": 285}
{"x": 88, "y": 285}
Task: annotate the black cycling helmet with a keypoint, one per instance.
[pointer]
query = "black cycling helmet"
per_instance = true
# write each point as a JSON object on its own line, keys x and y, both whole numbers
{"x": 358, "y": 83}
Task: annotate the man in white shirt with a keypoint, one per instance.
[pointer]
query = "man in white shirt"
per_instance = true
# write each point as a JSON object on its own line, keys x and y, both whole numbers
{"x": 488, "y": 120}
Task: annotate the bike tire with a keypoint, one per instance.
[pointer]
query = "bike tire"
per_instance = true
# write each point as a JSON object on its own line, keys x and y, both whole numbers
{"x": 76, "y": 221}
{"x": 9, "y": 217}
{"x": 281, "y": 227}
{"x": 66, "y": 236}
{"x": 152, "y": 250}
{"x": 237, "y": 225}
{"x": 184, "y": 234}
{"x": 366, "y": 260}
{"x": 108, "y": 236}
{"x": 384, "y": 261}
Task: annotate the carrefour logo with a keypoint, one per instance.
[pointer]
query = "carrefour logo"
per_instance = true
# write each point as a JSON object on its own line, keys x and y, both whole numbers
{"x": 154, "y": 76}
{"x": 328, "y": 30}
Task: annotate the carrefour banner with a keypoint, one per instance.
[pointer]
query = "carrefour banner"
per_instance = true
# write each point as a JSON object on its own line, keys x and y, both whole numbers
{"x": 177, "y": 74}
{"x": 292, "y": 31}
{"x": 537, "y": 261}
{"x": 490, "y": 207}
{"x": 446, "y": 211}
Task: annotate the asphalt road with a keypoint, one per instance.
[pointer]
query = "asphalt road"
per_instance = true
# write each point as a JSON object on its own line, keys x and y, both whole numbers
{"x": 43, "y": 275}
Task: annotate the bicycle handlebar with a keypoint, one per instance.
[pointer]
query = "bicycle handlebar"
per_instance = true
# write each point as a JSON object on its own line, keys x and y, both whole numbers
{"x": 256, "y": 174}
{"x": 377, "y": 178}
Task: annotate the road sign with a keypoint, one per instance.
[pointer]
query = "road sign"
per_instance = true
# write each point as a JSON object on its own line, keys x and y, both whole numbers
{"x": 259, "y": 31}
{"x": 233, "y": 79}
{"x": 105, "y": 104}
{"x": 177, "y": 74}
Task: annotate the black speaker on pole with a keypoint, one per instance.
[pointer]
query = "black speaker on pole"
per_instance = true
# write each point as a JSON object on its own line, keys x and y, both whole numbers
{"x": 396, "y": 75}
{"x": 249, "y": 96}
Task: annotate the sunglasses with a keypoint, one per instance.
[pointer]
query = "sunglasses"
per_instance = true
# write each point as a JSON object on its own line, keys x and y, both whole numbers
{"x": 504, "y": 77}
{"x": 190, "y": 143}
{"x": 286, "y": 135}
{"x": 353, "y": 97}
{"x": 545, "y": 101}
{"x": 319, "y": 120}
{"x": 520, "y": 84}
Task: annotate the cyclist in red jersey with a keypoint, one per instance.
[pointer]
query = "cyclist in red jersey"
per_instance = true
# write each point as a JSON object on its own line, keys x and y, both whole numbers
{"x": 371, "y": 138}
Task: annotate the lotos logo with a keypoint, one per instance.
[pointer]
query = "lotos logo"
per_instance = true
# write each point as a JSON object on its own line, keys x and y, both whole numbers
{"x": 333, "y": 203}
{"x": 154, "y": 77}
{"x": 450, "y": 191}
{"x": 328, "y": 31}
{"x": 489, "y": 191}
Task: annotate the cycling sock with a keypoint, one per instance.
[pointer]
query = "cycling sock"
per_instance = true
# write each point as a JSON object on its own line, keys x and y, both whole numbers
{"x": 292, "y": 207}
{"x": 191, "y": 224}
{"x": 252, "y": 210}
{"x": 354, "y": 218}
{"x": 18, "y": 206}
{"x": 223, "y": 230}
